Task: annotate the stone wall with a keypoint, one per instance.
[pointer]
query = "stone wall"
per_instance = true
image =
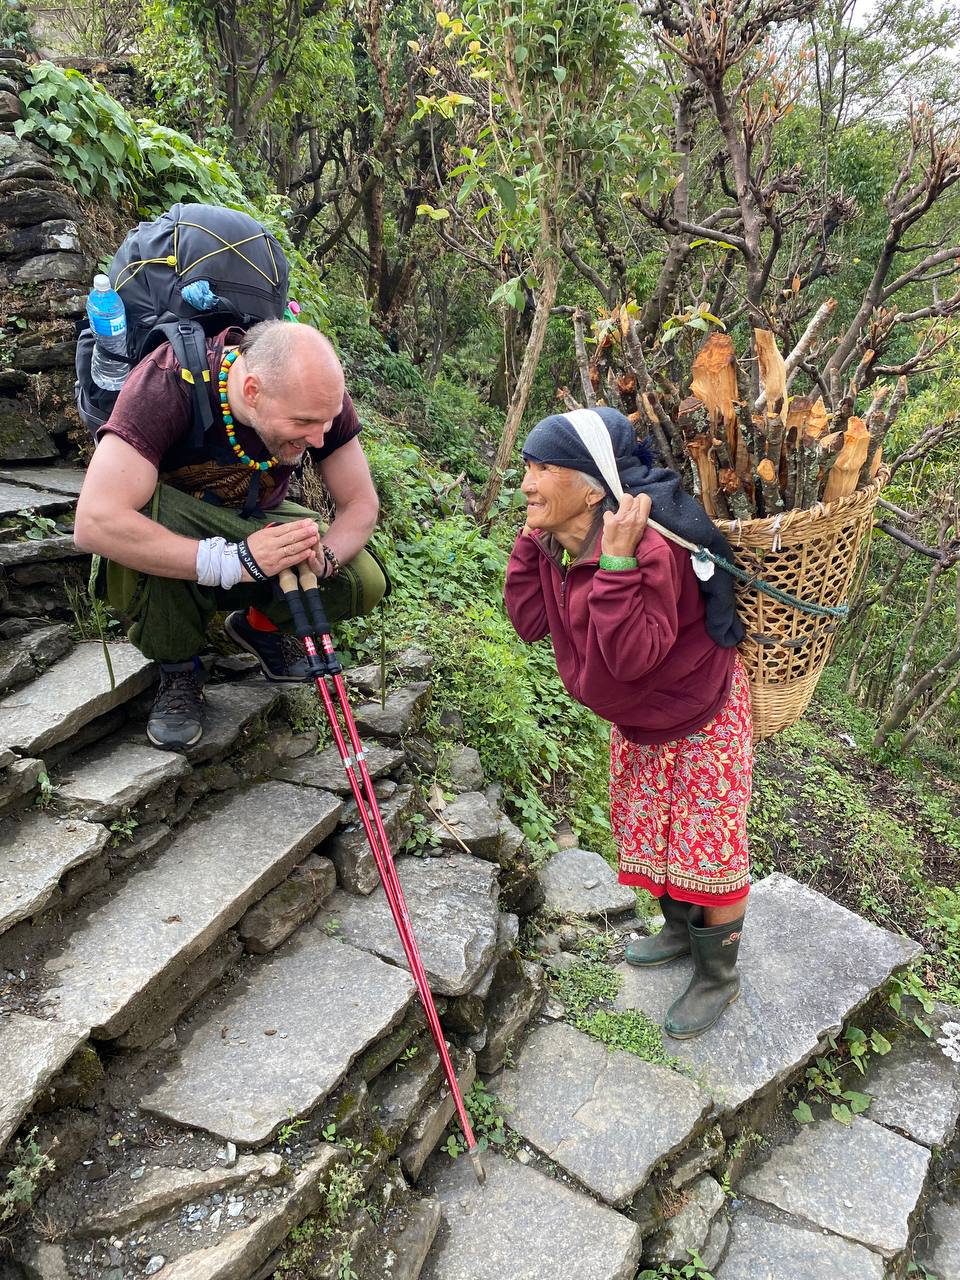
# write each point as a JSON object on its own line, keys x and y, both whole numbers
{"x": 46, "y": 263}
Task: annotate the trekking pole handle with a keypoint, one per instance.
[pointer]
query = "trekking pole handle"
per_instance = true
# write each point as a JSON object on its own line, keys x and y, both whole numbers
{"x": 318, "y": 614}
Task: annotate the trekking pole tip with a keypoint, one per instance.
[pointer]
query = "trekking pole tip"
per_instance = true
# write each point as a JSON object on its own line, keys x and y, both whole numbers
{"x": 478, "y": 1169}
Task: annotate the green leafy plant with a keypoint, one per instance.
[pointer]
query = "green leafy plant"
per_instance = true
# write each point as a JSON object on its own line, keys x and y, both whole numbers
{"x": 289, "y": 1130}
{"x": 585, "y": 988}
{"x": 824, "y": 1083}
{"x": 34, "y": 526}
{"x": 122, "y": 830}
{"x": 23, "y": 1179}
{"x": 692, "y": 1270}
{"x": 487, "y": 1121}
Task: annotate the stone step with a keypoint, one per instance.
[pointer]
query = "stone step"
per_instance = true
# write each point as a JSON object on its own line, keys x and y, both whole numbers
{"x": 583, "y": 1106}
{"x": 100, "y": 783}
{"x": 70, "y": 694}
{"x": 938, "y": 1241}
{"x": 777, "y": 1248}
{"x": 14, "y": 555}
{"x": 915, "y": 1088}
{"x": 17, "y": 497}
{"x": 32, "y": 1051}
{"x": 26, "y": 656}
{"x": 293, "y": 1028}
{"x": 579, "y": 882}
{"x": 36, "y": 851}
{"x": 806, "y": 964}
{"x": 859, "y": 1181}
{"x": 325, "y": 769}
{"x": 67, "y": 480}
{"x": 523, "y": 1225}
{"x": 167, "y": 914}
{"x": 452, "y": 903}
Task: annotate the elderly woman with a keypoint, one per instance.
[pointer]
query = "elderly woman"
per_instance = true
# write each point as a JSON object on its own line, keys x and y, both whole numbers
{"x": 642, "y": 641}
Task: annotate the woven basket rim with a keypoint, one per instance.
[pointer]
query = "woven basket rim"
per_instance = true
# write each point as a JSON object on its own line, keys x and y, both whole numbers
{"x": 781, "y": 524}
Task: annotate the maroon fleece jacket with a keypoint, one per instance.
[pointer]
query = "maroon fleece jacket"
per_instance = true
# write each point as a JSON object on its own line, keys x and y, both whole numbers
{"x": 630, "y": 644}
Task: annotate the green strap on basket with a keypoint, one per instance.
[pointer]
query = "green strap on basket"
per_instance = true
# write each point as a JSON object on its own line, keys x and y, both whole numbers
{"x": 704, "y": 556}
{"x": 805, "y": 606}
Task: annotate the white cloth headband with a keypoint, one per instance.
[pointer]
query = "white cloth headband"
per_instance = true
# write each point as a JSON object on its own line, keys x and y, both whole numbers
{"x": 595, "y": 438}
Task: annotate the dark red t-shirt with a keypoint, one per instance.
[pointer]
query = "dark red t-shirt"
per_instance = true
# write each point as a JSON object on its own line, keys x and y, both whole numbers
{"x": 153, "y": 415}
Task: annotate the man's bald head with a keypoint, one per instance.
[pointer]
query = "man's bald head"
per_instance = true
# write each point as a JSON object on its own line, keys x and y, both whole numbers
{"x": 279, "y": 353}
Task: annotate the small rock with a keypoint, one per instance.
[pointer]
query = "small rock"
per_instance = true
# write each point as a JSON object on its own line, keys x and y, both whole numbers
{"x": 230, "y": 1155}
{"x": 568, "y": 937}
{"x": 156, "y": 1263}
{"x": 214, "y": 1222}
{"x": 138, "y": 1173}
{"x": 235, "y": 1209}
{"x": 466, "y": 771}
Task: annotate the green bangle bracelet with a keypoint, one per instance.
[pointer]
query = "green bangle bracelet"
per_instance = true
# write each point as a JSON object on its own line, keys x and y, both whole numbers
{"x": 618, "y": 562}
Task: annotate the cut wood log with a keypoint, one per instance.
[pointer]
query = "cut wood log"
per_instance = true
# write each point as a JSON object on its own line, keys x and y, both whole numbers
{"x": 773, "y": 371}
{"x": 714, "y": 381}
{"x": 845, "y": 472}
{"x": 698, "y": 440}
{"x": 810, "y": 455}
{"x": 769, "y": 487}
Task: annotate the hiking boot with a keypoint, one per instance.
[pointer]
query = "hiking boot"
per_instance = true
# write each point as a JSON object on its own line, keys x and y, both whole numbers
{"x": 176, "y": 720}
{"x": 282, "y": 658}
{"x": 673, "y": 939}
{"x": 715, "y": 982}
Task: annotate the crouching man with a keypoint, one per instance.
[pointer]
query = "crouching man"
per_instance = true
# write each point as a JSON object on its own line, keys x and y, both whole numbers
{"x": 186, "y": 526}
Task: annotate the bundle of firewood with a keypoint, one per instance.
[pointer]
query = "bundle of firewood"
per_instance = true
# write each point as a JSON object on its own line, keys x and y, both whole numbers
{"x": 744, "y": 446}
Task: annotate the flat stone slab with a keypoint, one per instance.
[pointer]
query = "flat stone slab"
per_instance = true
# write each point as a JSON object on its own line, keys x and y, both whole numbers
{"x": 67, "y": 480}
{"x": 35, "y": 551}
{"x": 240, "y": 1251}
{"x": 349, "y": 848}
{"x": 228, "y": 709}
{"x": 523, "y": 1225}
{"x": 161, "y": 1189}
{"x": 453, "y": 908}
{"x": 767, "y": 1249}
{"x": 581, "y": 1104}
{"x": 794, "y": 939}
{"x": 25, "y": 657}
{"x": 70, "y": 694}
{"x": 168, "y": 913}
{"x": 579, "y": 882}
{"x": 326, "y": 771}
{"x": 469, "y": 820}
{"x": 16, "y": 497}
{"x": 938, "y": 1241}
{"x": 294, "y": 1028}
{"x": 401, "y": 714}
{"x": 915, "y": 1089}
{"x": 107, "y": 779}
{"x": 859, "y": 1180}
{"x": 32, "y": 1051}
{"x": 36, "y": 851}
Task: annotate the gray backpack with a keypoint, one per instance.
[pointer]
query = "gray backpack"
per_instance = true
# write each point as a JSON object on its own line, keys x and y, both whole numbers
{"x": 193, "y": 272}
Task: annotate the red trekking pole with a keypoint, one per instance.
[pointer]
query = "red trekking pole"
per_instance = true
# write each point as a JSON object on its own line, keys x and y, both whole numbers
{"x": 324, "y": 667}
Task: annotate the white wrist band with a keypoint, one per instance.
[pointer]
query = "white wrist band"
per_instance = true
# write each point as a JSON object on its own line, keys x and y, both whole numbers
{"x": 218, "y": 564}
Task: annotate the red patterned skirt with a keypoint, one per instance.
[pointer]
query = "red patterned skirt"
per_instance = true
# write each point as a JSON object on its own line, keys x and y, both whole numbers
{"x": 679, "y": 809}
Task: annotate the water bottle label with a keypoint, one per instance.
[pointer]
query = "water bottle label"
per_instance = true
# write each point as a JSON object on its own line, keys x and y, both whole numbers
{"x": 108, "y": 326}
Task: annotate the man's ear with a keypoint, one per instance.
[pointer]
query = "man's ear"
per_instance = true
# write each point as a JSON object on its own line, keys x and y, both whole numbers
{"x": 251, "y": 388}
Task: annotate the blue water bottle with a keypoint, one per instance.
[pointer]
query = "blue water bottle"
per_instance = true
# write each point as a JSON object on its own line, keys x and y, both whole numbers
{"x": 108, "y": 323}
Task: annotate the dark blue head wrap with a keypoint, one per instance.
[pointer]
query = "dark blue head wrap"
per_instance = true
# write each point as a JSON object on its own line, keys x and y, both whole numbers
{"x": 554, "y": 441}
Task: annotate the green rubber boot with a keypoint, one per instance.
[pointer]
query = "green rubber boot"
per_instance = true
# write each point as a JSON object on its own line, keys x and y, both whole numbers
{"x": 672, "y": 941}
{"x": 715, "y": 982}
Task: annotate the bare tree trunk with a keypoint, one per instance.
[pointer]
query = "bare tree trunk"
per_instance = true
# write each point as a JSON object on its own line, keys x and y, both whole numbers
{"x": 521, "y": 392}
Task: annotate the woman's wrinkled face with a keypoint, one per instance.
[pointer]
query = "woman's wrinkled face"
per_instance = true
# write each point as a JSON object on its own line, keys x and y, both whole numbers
{"x": 557, "y": 497}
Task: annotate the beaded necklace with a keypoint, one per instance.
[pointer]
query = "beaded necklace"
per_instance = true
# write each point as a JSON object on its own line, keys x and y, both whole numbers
{"x": 228, "y": 359}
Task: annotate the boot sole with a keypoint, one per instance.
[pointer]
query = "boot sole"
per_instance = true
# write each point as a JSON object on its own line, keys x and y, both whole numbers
{"x": 248, "y": 648}
{"x": 690, "y": 1035}
{"x": 654, "y": 964}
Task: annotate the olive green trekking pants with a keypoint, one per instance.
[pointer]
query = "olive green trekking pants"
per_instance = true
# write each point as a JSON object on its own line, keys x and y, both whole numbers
{"x": 167, "y": 618}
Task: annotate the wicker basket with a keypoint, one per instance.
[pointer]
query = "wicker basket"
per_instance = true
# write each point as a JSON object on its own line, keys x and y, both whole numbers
{"x": 813, "y": 556}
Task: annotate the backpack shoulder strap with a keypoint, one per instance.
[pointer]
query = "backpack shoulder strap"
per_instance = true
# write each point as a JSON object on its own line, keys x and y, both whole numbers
{"x": 189, "y": 343}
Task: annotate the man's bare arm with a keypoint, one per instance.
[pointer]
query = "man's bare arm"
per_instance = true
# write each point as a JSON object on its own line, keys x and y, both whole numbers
{"x": 347, "y": 478}
{"x": 119, "y": 481}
